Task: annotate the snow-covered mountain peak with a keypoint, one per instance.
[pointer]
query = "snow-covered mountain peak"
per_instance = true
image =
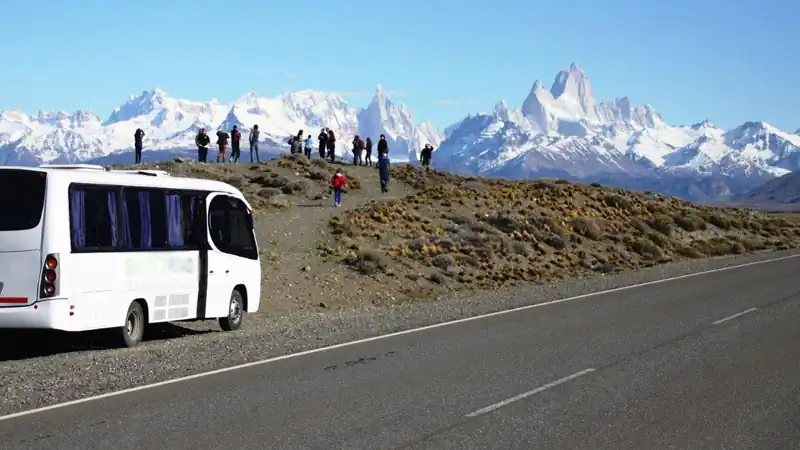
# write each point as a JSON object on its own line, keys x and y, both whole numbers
{"x": 405, "y": 137}
{"x": 761, "y": 135}
{"x": 313, "y": 100}
{"x": 247, "y": 97}
{"x": 501, "y": 110}
{"x": 705, "y": 124}
{"x": 573, "y": 85}
{"x": 62, "y": 119}
{"x": 140, "y": 105}
{"x": 564, "y": 132}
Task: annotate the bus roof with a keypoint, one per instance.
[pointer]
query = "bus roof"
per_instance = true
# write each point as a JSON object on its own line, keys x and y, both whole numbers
{"x": 139, "y": 178}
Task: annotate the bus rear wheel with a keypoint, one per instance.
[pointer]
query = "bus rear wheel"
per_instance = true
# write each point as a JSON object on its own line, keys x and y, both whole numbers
{"x": 235, "y": 313}
{"x": 132, "y": 332}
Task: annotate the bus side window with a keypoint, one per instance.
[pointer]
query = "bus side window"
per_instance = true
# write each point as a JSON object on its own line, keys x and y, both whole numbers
{"x": 242, "y": 239}
{"x": 218, "y": 225}
{"x": 93, "y": 218}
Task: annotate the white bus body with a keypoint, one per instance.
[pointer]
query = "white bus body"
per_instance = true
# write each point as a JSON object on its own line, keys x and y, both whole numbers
{"x": 82, "y": 248}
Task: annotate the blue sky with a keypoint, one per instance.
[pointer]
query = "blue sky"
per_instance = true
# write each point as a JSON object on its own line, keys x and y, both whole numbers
{"x": 728, "y": 61}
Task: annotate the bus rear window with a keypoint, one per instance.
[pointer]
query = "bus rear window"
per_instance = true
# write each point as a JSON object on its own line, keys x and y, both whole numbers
{"x": 21, "y": 199}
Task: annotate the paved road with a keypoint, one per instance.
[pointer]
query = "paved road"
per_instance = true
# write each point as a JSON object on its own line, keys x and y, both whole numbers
{"x": 649, "y": 367}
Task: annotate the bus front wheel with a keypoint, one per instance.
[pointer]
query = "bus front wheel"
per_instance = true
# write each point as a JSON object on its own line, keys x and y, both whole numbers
{"x": 235, "y": 313}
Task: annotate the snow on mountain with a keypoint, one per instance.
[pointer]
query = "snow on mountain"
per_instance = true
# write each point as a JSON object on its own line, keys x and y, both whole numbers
{"x": 566, "y": 132}
{"x": 287, "y": 114}
{"x": 404, "y": 136}
{"x": 167, "y": 122}
{"x": 170, "y": 125}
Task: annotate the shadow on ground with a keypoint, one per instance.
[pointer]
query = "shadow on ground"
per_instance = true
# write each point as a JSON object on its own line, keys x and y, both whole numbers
{"x": 26, "y": 344}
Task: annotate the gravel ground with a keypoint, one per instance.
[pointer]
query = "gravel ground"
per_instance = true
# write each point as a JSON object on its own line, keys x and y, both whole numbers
{"x": 46, "y": 380}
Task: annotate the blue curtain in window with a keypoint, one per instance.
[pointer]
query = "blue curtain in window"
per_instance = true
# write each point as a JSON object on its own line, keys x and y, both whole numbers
{"x": 174, "y": 221}
{"x": 146, "y": 239}
{"x": 126, "y": 225}
{"x": 77, "y": 212}
{"x": 112, "y": 215}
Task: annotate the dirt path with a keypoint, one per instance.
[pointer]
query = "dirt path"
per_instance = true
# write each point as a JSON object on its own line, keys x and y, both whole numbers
{"x": 295, "y": 277}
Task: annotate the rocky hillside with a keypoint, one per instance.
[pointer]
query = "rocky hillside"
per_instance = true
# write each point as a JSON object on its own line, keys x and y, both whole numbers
{"x": 439, "y": 232}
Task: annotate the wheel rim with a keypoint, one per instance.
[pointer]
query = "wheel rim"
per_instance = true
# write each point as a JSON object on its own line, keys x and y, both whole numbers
{"x": 235, "y": 312}
{"x": 132, "y": 325}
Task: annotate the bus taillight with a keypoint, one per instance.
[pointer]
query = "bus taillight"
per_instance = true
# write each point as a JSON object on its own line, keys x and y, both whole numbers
{"x": 50, "y": 276}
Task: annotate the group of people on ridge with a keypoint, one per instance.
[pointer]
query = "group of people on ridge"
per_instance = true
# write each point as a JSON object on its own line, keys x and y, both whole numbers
{"x": 202, "y": 141}
{"x": 326, "y": 140}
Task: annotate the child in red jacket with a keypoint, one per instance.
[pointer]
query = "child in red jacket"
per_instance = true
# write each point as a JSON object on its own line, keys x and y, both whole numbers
{"x": 338, "y": 182}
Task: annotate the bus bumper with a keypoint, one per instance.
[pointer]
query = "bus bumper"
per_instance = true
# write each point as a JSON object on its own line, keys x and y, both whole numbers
{"x": 48, "y": 314}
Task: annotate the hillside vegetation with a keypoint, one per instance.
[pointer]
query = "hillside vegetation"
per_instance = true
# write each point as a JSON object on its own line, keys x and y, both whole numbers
{"x": 439, "y": 232}
{"x": 456, "y": 232}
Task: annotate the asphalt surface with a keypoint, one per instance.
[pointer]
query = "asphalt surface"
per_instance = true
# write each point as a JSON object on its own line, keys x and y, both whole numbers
{"x": 645, "y": 368}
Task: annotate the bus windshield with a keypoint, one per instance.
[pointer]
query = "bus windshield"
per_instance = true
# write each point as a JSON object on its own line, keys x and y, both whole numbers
{"x": 21, "y": 199}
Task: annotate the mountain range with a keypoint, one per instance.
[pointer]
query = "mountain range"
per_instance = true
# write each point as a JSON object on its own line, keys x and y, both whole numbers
{"x": 170, "y": 126}
{"x": 565, "y": 132}
{"x": 561, "y": 132}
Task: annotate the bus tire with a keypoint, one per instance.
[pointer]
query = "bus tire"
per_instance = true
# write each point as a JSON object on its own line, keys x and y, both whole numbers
{"x": 233, "y": 321}
{"x": 132, "y": 332}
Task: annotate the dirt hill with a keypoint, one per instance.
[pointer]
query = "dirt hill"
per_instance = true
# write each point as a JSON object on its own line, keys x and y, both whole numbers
{"x": 437, "y": 232}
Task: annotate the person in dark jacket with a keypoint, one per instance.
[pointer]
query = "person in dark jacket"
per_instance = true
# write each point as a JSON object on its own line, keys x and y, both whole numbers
{"x": 222, "y": 141}
{"x": 357, "y": 151}
{"x": 426, "y": 154}
{"x": 323, "y": 143}
{"x": 383, "y": 171}
{"x": 368, "y": 148}
{"x": 236, "y": 138}
{"x": 383, "y": 148}
{"x": 254, "y": 143}
{"x": 138, "y": 137}
{"x": 202, "y": 140}
{"x": 331, "y": 145}
{"x": 294, "y": 145}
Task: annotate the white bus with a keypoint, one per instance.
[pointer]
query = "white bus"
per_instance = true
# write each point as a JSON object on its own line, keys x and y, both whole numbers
{"x": 86, "y": 248}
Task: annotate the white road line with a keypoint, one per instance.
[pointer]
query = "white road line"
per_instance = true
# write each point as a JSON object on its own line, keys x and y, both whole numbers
{"x": 538, "y": 390}
{"x": 383, "y": 336}
{"x": 739, "y": 314}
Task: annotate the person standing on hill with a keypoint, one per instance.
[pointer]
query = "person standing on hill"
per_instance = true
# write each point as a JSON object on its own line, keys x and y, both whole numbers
{"x": 222, "y": 141}
{"x": 202, "y": 140}
{"x": 331, "y": 145}
{"x": 294, "y": 145}
{"x": 384, "y": 169}
{"x": 356, "y": 151}
{"x": 338, "y": 183}
{"x": 368, "y": 146}
{"x": 236, "y": 138}
{"x": 383, "y": 147}
{"x": 309, "y": 146}
{"x": 254, "y": 143}
{"x": 323, "y": 142}
{"x": 426, "y": 154}
{"x": 138, "y": 138}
